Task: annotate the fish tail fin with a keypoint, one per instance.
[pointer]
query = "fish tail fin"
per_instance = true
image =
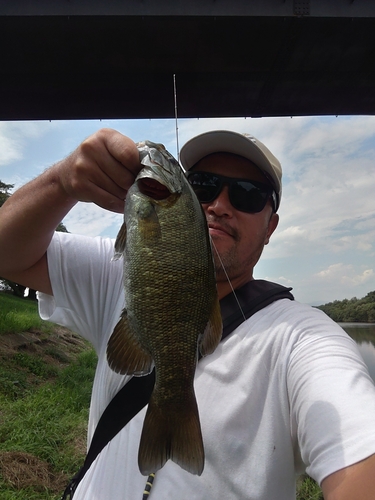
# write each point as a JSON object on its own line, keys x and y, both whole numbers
{"x": 171, "y": 435}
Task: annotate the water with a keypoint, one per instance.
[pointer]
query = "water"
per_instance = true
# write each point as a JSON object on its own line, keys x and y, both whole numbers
{"x": 364, "y": 335}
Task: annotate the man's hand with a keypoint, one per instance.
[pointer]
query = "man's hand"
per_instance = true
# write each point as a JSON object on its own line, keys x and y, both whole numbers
{"x": 101, "y": 170}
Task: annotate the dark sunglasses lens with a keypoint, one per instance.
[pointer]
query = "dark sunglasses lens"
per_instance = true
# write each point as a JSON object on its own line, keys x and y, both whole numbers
{"x": 206, "y": 186}
{"x": 244, "y": 195}
{"x": 247, "y": 197}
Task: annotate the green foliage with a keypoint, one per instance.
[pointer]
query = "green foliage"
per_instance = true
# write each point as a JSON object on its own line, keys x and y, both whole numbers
{"x": 47, "y": 423}
{"x": 352, "y": 310}
{"x": 18, "y": 290}
{"x": 45, "y": 390}
{"x": 308, "y": 489}
{"x": 18, "y": 315}
{"x": 4, "y": 192}
{"x": 62, "y": 228}
{"x": 25, "y": 494}
{"x": 13, "y": 382}
{"x": 34, "y": 365}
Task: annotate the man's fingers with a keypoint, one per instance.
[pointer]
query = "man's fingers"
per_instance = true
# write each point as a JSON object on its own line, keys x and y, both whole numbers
{"x": 125, "y": 151}
{"x": 107, "y": 201}
{"x": 101, "y": 169}
{"x": 115, "y": 154}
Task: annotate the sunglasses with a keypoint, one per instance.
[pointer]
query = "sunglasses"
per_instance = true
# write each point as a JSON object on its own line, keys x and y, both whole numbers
{"x": 244, "y": 195}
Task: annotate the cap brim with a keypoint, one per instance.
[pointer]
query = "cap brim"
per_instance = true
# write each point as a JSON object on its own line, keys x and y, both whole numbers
{"x": 226, "y": 141}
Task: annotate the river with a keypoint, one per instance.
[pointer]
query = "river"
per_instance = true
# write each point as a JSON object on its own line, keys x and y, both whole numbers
{"x": 364, "y": 335}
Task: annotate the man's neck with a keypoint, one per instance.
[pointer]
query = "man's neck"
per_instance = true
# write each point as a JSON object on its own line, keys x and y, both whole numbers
{"x": 225, "y": 287}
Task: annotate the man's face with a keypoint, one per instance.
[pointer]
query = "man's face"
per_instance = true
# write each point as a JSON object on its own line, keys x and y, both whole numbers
{"x": 238, "y": 237}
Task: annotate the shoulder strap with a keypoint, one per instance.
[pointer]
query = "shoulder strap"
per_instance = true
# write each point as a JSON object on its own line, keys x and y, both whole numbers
{"x": 121, "y": 409}
{"x": 251, "y": 297}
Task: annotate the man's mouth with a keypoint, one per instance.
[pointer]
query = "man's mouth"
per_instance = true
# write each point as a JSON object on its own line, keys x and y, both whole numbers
{"x": 219, "y": 230}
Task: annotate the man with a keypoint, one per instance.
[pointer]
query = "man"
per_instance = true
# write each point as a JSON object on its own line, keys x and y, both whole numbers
{"x": 285, "y": 392}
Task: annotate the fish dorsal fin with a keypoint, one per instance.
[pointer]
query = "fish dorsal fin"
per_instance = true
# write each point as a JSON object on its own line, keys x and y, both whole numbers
{"x": 125, "y": 355}
{"x": 213, "y": 332}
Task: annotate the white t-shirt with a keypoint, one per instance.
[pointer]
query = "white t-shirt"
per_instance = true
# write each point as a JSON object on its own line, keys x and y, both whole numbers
{"x": 286, "y": 391}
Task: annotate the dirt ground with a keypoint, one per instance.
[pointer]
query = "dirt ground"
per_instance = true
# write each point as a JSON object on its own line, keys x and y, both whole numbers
{"x": 56, "y": 349}
{"x": 23, "y": 470}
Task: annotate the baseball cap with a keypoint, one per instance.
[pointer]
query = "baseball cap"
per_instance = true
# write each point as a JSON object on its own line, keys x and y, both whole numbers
{"x": 226, "y": 141}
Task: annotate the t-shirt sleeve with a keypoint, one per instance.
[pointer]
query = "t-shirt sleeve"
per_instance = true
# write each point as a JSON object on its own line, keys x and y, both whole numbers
{"x": 332, "y": 399}
{"x": 87, "y": 286}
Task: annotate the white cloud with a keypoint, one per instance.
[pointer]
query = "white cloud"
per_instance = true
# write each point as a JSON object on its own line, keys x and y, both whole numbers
{"x": 359, "y": 279}
{"x": 327, "y": 213}
{"x": 346, "y": 274}
{"x": 283, "y": 280}
{"x": 14, "y": 137}
{"x": 10, "y": 148}
{"x": 91, "y": 220}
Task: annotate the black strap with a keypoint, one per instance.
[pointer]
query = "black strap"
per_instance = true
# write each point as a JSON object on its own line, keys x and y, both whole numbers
{"x": 251, "y": 297}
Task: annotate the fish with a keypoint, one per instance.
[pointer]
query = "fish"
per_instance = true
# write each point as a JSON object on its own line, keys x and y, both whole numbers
{"x": 172, "y": 310}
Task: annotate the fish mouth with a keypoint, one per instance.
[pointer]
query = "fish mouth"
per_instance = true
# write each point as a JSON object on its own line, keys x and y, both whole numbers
{"x": 153, "y": 188}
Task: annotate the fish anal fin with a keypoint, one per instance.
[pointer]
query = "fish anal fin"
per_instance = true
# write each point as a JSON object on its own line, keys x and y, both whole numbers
{"x": 171, "y": 435}
{"x": 125, "y": 355}
{"x": 213, "y": 332}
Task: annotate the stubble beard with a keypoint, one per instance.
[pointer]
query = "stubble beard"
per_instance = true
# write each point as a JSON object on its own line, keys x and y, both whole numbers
{"x": 230, "y": 265}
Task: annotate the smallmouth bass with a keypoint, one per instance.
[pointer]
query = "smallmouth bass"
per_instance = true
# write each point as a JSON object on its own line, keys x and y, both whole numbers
{"x": 172, "y": 308}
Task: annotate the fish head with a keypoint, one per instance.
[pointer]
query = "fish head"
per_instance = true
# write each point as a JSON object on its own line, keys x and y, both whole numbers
{"x": 161, "y": 175}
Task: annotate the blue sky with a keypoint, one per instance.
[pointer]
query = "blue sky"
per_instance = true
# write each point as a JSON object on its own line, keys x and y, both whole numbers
{"x": 324, "y": 246}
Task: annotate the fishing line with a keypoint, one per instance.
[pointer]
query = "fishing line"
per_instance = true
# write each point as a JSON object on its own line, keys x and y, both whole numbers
{"x": 235, "y": 296}
{"x": 175, "y": 115}
{"x": 151, "y": 477}
{"x": 178, "y": 158}
{"x": 228, "y": 279}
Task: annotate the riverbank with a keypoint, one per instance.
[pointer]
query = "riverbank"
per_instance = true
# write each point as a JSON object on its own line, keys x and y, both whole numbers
{"x": 46, "y": 375}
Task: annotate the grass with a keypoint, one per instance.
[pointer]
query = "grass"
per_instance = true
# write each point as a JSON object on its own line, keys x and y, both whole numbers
{"x": 308, "y": 489}
{"x": 45, "y": 389}
{"x": 20, "y": 315}
{"x": 45, "y": 422}
{"x": 49, "y": 423}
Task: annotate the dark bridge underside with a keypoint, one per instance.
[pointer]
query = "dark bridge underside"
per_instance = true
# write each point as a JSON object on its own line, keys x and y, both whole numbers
{"x": 121, "y": 66}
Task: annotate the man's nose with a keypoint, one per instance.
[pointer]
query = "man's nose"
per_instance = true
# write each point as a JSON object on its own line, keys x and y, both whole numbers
{"x": 221, "y": 205}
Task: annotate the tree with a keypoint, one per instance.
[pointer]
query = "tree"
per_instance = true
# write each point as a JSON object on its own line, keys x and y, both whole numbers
{"x": 61, "y": 227}
{"x": 357, "y": 310}
{"x": 18, "y": 290}
{"x": 4, "y": 192}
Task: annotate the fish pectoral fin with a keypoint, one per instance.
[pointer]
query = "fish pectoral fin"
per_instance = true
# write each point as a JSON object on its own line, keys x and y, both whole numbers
{"x": 120, "y": 242}
{"x": 125, "y": 355}
{"x": 213, "y": 332}
{"x": 171, "y": 435}
{"x": 149, "y": 225}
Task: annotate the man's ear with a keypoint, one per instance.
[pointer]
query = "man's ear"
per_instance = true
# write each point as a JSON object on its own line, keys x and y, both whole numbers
{"x": 272, "y": 225}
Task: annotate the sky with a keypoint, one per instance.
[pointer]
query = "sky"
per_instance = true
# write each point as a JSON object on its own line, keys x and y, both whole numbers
{"x": 324, "y": 246}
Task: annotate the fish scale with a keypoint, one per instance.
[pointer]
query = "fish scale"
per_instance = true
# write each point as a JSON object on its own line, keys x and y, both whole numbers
{"x": 172, "y": 307}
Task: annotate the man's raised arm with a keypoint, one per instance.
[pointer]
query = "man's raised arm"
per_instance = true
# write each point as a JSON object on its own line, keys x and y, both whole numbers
{"x": 100, "y": 170}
